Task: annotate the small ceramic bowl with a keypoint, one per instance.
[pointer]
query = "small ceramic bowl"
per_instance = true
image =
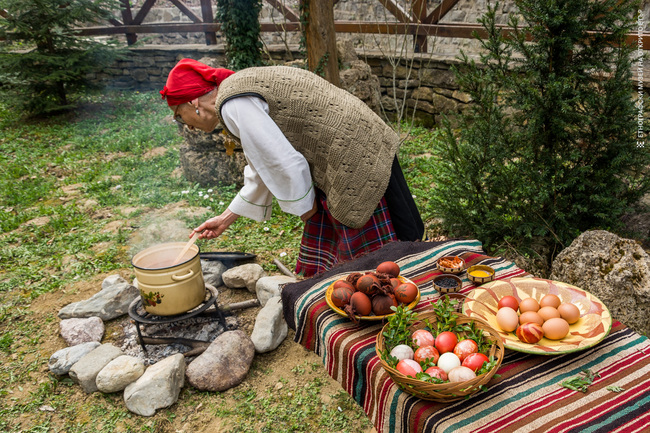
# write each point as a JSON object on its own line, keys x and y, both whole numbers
{"x": 480, "y": 274}
{"x": 447, "y": 283}
{"x": 448, "y": 270}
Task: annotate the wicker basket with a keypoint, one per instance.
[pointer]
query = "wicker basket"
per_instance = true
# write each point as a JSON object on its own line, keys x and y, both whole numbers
{"x": 444, "y": 392}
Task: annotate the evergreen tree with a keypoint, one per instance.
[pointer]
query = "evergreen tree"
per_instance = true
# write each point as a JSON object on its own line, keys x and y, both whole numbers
{"x": 549, "y": 148}
{"x": 43, "y": 61}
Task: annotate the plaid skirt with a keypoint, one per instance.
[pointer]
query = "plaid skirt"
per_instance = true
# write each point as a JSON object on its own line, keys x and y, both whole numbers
{"x": 326, "y": 242}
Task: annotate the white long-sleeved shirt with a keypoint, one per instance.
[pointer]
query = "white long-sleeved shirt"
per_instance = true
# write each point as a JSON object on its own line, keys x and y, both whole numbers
{"x": 275, "y": 168}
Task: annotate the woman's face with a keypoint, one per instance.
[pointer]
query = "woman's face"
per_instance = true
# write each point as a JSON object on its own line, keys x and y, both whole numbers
{"x": 205, "y": 120}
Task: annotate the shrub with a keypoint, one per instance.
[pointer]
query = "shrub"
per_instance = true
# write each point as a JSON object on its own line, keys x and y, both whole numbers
{"x": 43, "y": 61}
{"x": 241, "y": 28}
{"x": 549, "y": 148}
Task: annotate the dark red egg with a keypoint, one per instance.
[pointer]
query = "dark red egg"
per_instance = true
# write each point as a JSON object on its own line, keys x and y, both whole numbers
{"x": 406, "y": 293}
{"x": 341, "y": 295}
{"x": 360, "y": 303}
{"x": 368, "y": 284}
{"x": 343, "y": 283}
{"x": 381, "y": 304}
{"x": 390, "y": 268}
{"x": 395, "y": 282}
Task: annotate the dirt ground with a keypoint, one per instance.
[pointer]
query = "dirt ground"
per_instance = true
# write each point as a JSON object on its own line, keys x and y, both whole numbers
{"x": 274, "y": 369}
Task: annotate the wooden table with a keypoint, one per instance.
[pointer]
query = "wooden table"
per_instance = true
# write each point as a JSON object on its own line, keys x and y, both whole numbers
{"x": 527, "y": 397}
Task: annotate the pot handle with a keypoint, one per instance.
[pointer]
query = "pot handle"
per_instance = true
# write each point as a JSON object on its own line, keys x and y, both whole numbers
{"x": 183, "y": 277}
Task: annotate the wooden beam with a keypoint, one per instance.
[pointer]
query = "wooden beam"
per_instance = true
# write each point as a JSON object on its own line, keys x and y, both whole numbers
{"x": 438, "y": 13}
{"x": 144, "y": 10}
{"x": 419, "y": 9}
{"x": 288, "y": 13}
{"x": 398, "y": 11}
{"x": 131, "y": 38}
{"x": 183, "y": 8}
{"x": 115, "y": 22}
{"x": 450, "y": 30}
{"x": 206, "y": 11}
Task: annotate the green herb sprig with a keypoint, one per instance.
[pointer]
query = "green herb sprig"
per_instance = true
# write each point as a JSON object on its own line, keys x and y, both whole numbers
{"x": 581, "y": 383}
{"x": 445, "y": 310}
{"x": 398, "y": 332}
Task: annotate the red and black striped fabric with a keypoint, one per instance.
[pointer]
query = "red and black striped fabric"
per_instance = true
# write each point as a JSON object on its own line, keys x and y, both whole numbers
{"x": 527, "y": 397}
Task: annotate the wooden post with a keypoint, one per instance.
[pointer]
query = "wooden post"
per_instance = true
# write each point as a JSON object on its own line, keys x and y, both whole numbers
{"x": 208, "y": 17}
{"x": 131, "y": 38}
{"x": 420, "y": 15}
{"x": 320, "y": 39}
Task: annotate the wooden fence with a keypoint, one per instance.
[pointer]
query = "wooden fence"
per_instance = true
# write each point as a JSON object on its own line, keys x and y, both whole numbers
{"x": 417, "y": 21}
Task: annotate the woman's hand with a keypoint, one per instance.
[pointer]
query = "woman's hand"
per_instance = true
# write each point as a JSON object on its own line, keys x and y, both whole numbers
{"x": 213, "y": 227}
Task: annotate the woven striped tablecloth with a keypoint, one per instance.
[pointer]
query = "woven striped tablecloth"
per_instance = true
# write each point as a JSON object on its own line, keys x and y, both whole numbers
{"x": 527, "y": 397}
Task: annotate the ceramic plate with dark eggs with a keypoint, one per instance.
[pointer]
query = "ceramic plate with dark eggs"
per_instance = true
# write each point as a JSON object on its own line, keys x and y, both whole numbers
{"x": 406, "y": 290}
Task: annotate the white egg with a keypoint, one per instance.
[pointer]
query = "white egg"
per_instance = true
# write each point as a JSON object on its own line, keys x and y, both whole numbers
{"x": 448, "y": 361}
{"x": 402, "y": 351}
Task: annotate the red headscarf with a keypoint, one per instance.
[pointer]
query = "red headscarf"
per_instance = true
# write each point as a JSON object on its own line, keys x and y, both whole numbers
{"x": 190, "y": 79}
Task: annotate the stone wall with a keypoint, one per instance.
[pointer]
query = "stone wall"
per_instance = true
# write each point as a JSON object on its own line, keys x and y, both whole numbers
{"x": 427, "y": 84}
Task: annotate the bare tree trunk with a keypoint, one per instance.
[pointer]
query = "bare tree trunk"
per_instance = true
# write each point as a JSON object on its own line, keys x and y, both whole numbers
{"x": 320, "y": 39}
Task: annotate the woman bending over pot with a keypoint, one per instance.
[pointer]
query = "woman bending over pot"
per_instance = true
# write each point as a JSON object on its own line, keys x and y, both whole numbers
{"x": 320, "y": 151}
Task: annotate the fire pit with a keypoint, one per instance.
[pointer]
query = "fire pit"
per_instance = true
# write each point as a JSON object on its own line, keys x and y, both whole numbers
{"x": 141, "y": 316}
{"x": 155, "y": 337}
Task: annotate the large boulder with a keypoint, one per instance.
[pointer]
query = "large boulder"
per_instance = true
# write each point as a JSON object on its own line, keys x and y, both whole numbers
{"x": 158, "y": 387}
{"x": 207, "y": 159}
{"x": 224, "y": 364}
{"x": 615, "y": 270}
{"x": 357, "y": 78}
{"x": 243, "y": 276}
{"x": 110, "y": 302}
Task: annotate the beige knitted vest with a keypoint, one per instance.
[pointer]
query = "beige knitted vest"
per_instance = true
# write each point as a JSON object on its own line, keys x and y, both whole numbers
{"x": 348, "y": 146}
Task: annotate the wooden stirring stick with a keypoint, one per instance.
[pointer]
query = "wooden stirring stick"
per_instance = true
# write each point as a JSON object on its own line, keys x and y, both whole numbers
{"x": 186, "y": 247}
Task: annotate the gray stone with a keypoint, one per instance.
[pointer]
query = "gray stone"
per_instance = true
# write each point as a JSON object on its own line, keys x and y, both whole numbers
{"x": 359, "y": 81}
{"x": 212, "y": 272}
{"x": 224, "y": 364}
{"x": 243, "y": 276}
{"x": 614, "y": 269}
{"x": 443, "y": 104}
{"x": 107, "y": 304}
{"x": 62, "y": 360}
{"x": 438, "y": 78}
{"x": 112, "y": 280}
{"x": 205, "y": 159}
{"x": 268, "y": 287}
{"x": 270, "y": 328}
{"x": 462, "y": 96}
{"x": 77, "y": 331}
{"x": 158, "y": 387}
{"x": 422, "y": 94}
{"x": 119, "y": 373}
{"x": 84, "y": 372}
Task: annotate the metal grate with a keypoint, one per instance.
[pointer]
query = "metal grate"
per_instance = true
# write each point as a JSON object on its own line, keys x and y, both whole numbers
{"x": 140, "y": 315}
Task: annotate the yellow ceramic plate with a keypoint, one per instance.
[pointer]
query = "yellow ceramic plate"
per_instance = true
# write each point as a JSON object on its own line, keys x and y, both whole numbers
{"x": 328, "y": 298}
{"x": 594, "y": 324}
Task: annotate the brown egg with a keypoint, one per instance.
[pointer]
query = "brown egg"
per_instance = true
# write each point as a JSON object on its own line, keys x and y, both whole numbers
{"x": 530, "y": 316}
{"x": 528, "y": 304}
{"x": 569, "y": 312}
{"x": 507, "y": 319}
{"x": 550, "y": 301}
{"x": 406, "y": 293}
{"x": 390, "y": 268}
{"x": 555, "y": 329}
{"x": 548, "y": 313}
